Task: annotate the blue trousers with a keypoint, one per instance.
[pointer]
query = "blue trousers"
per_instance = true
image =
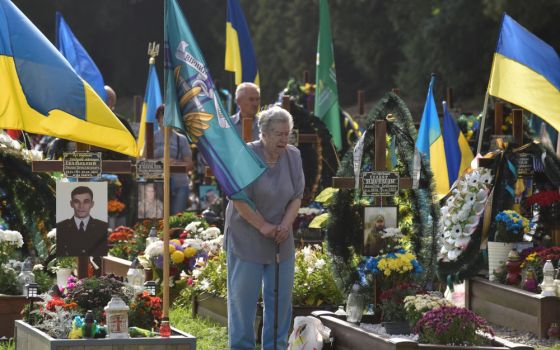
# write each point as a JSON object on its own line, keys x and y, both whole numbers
{"x": 179, "y": 198}
{"x": 245, "y": 280}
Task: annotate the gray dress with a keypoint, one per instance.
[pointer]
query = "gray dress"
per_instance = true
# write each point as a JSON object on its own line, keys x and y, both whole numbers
{"x": 271, "y": 193}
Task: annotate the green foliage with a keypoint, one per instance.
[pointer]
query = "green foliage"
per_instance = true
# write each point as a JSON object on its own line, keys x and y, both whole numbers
{"x": 7, "y": 345}
{"x": 44, "y": 280}
{"x": 95, "y": 293}
{"x": 314, "y": 284}
{"x": 209, "y": 335}
{"x": 8, "y": 281}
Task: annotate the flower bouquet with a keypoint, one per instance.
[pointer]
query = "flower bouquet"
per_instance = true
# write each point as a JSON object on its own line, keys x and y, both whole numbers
{"x": 450, "y": 325}
{"x": 145, "y": 311}
{"x": 392, "y": 301}
{"x": 415, "y": 306}
{"x": 314, "y": 284}
{"x": 510, "y": 227}
{"x": 121, "y": 242}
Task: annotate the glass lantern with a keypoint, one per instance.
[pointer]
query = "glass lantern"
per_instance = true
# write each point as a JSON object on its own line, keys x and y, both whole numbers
{"x": 26, "y": 276}
{"x": 135, "y": 275}
{"x": 152, "y": 236}
{"x": 547, "y": 285}
{"x": 355, "y": 305}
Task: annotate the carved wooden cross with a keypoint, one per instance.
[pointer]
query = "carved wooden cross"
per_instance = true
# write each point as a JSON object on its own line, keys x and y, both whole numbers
{"x": 379, "y": 155}
{"x": 108, "y": 167}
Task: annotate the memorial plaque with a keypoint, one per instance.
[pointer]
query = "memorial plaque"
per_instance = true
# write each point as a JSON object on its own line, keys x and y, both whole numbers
{"x": 81, "y": 164}
{"x": 149, "y": 169}
{"x": 293, "y": 138}
{"x": 525, "y": 164}
{"x": 380, "y": 184}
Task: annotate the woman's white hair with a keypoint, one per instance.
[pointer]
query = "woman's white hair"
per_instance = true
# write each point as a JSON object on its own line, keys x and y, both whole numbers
{"x": 274, "y": 114}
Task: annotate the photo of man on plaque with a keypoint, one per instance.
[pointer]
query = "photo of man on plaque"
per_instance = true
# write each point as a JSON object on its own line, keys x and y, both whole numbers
{"x": 81, "y": 216}
{"x": 376, "y": 220}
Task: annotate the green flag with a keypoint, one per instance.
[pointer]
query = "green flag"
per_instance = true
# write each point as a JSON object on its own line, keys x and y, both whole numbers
{"x": 326, "y": 92}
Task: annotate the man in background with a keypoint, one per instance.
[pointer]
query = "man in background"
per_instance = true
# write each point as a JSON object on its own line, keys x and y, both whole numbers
{"x": 248, "y": 99}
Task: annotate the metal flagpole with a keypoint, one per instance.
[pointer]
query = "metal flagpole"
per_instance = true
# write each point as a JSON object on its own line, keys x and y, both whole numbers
{"x": 483, "y": 121}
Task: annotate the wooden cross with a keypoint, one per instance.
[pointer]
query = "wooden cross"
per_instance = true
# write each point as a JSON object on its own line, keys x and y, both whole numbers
{"x": 379, "y": 155}
{"x": 108, "y": 167}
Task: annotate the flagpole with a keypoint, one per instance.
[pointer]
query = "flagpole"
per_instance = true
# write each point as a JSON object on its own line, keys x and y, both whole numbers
{"x": 166, "y": 223}
{"x": 481, "y": 131}
{"x": 166, "y": 203}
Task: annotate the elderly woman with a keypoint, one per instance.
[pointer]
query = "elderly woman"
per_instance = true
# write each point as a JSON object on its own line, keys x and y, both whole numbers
{"x": 252, "y": 234}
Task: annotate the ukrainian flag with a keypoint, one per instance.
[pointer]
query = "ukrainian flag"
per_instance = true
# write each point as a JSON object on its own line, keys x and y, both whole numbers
{"x": 526, "y": 72}
{"x": 78, "y": 57}
{"x": 240, "y": 56}
{"x": 430, "y": 143}
{"x": 458, "y": 153}
{"x": 152, "y": 100}
{"x": 42, "y": 94}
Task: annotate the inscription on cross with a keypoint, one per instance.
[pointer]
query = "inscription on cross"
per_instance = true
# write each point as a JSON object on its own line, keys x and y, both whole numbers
{"x": 380, "y": 167}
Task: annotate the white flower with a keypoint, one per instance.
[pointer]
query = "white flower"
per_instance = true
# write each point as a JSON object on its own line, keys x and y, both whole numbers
{"x": 453, "y": 254}
{"x": 392, "y": 232}
{"x": 320, "y": 263}
{"x": 205, "y": 284}
{"x": 192, "y": 226}
{"x": 210, "y": 233}
{"x": 310, "y": 270}
{"x": 196, "y": 273}
{"x": 52, "y": 234}
{"x": 154, "y": 249}
{"x": 456, "y": 231}
{"x": 11, "y": 237}
{"x": 486, "y": 178}
{"x": 38, "y": 267}
{"x": 193, "y": 242}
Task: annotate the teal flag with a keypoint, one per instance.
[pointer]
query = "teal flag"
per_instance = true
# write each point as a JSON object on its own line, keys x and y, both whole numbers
{"x": 193, "y": 105}
{"x": 326, "y": 92}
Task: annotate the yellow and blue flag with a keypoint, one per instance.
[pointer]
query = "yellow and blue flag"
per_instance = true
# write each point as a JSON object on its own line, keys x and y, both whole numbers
{"x": 430, "y": 143}
{"x": 526, "y": 72}
{"x": 78, "y": 57}
{"x": 152, "y": 100}
{"x": 458, "y": 153}
{"x": 194, "y": 106}
{"x": 42, "y": 94}
{"x": 240, "y": 56}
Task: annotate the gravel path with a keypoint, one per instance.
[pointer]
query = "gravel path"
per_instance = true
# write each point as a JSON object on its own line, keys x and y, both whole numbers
{"x": 502, "y": 332}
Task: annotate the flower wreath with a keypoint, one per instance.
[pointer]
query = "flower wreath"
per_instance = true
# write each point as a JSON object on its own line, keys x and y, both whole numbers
{"x": 459, "y": 256}
{"x": 417, "y": 212}
{"x": 462, "y": 213}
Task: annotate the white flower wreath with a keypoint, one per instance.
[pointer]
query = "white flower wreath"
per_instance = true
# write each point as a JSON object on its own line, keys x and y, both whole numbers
{"x": 461, "y": 213}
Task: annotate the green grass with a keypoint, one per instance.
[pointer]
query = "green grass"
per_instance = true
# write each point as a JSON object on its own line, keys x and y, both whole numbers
{"x": 555, "y": 347}
{"x": 8, "y": 345}
{"x": 209, "y": 335}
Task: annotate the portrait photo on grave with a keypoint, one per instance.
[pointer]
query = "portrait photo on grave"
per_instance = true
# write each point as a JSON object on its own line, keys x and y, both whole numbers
{"x": 208, "y": 195}
{"x": 150, "y": 200}
{"x": 81, "y": 219}
{"x": 376, "y": 220}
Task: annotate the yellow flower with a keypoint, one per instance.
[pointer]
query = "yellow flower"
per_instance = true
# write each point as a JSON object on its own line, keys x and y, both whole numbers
{"x": 177, "y": 257}
{"x": 190, "y": 252}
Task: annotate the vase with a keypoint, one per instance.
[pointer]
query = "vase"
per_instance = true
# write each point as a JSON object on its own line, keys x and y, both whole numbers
{"x": 396, "y": 327}
{"x": 62, "y": 275}
{"x": 497, "y": 255}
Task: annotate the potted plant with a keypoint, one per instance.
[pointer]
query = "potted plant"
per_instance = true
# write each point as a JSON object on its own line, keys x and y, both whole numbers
{"x": 510, "y": 229}
{"x": 450, "y": 325}
{"x": 314, "y": 284}
{"x": 415, "y": 306}
{"x": 10, "y": 241}
{"x": 393, "y": 307}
